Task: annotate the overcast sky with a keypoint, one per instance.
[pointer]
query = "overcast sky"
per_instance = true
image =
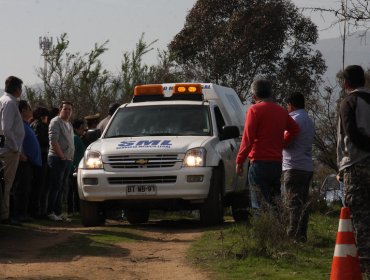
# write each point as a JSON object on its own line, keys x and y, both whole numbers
{"x": 94, "y": 21}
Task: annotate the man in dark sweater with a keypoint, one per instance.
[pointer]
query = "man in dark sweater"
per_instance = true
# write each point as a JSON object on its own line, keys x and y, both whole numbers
{"x": 353, "y": 155}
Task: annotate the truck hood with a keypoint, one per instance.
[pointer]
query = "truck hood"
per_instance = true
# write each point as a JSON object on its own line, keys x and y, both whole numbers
{"x": 152, "y": 144}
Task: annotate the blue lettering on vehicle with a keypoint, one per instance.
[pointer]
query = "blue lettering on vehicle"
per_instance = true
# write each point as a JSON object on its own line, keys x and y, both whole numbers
{"x": 148, "y": 142}
{"x": 164, "y": 144}
{"x": 126, "y": 144}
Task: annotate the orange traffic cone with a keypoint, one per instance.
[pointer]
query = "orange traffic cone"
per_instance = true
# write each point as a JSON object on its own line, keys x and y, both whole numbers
{"x": 346, "y": 265}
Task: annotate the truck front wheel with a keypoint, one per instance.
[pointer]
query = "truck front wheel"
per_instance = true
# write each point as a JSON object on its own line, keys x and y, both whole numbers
{"x": 91, "y": 214}
{"x": 212, "y": 211}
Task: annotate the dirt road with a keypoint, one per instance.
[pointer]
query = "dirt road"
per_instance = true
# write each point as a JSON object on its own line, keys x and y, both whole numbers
{"x": 68, "y": 251}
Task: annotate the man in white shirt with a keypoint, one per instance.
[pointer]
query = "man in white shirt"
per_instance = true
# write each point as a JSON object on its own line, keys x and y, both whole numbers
{"x": 12, "y": 132}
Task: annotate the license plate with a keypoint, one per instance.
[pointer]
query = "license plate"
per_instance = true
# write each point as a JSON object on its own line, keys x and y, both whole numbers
{"x": 141, "y": 190}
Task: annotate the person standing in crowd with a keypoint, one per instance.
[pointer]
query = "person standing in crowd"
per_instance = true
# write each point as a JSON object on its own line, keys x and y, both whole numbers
{"x": 298, "y": 168}
{"x": 73, "y": 199}
{"x": 28, "y": 160}
{"x": 38, "y": 199}
{"x": 61, "y": 152}
{"x": 353, "y": 155}
{"x": 263, "y": 141}
{"x": 93, "y": 133}
{"x": 104, "y": 122}
{"x": 11, "y": 139}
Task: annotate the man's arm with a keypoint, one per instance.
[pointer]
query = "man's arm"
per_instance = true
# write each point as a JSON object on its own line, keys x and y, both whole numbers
{"x": 349, "y": 123}
{"x": 7, "y": 122}
{"x": 249, "y": 134}
{"x": 292, "y": 131}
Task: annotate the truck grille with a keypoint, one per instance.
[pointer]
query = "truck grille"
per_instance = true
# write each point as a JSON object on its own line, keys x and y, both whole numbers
{"x": 142, "y": 180}
{"x": 142, "y": 161}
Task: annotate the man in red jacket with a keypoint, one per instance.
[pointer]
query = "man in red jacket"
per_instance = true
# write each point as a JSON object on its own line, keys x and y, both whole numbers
{"x": 263, "y": 141}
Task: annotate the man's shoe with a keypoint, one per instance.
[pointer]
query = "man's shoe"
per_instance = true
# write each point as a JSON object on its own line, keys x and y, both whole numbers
{"x": 53, "y": 217}
{"x": 65, "y": 219}
{"x": 11, "y": 221}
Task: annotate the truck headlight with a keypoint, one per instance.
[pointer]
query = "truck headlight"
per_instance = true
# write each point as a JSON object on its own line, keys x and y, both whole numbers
{"x": 195, "y": 157}
{"x": 93, "y": 160}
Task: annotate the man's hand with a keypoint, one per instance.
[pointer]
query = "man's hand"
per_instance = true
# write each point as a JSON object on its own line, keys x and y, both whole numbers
{"x": 22, "y": 157}
{"x": 239, "y": 169}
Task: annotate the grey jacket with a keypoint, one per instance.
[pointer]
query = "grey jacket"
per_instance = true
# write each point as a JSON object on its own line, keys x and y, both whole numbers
{"x": 354, "y": 128}
{"x": 61, "y": 132}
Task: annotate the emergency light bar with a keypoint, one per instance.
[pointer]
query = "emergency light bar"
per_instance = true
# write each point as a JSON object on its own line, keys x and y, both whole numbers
{"x": 155, "y": 92}
{"x": 148, "y": 90}
{"x": 148, "y": 93}
{"x": 187, "y": 89}
{"x": 187, "y": 92}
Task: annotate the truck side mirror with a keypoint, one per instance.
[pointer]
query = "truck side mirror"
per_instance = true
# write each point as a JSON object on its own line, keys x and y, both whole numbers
{"x": 229, "y": 132}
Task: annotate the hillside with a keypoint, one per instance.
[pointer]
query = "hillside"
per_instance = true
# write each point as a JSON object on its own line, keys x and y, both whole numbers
{"x": 357, "y": 52}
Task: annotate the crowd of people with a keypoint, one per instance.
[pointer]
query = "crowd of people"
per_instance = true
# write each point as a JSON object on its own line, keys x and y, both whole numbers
{"x": 40, "y": 151}
{"x": 278, "y": 144}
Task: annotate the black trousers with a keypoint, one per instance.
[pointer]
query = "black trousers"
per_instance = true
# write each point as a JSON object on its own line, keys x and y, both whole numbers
{"x": 297, "y": 184}
{"x": 22, "y": 188}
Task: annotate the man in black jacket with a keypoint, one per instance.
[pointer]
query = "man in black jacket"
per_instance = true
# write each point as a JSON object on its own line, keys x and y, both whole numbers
{"x": 353, "y": 154}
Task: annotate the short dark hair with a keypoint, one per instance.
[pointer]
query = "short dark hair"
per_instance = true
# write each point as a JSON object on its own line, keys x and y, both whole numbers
{"x": 296, "y": 99}
{"x": 65, "y": 103}
{"x": 40, "y": 112}
{"x": 53, "y": 112}
{"x": 12, "y": 83}
{"x": 23, "y": 105}
{"x": 112, "y": 108}
{"x": 354, "y": 75}
{"x": 77, "y": 123}
{"x": 261, "y": 88}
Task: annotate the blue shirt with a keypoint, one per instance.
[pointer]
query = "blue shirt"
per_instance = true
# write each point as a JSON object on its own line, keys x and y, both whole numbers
{"x": 31, "y": 146}
{"x": 298, "y": 155}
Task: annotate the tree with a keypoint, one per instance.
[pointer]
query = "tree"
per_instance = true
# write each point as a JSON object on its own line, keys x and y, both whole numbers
{"x": 134, "y": 72}
{"x": 76, "y": 78}
{"x": 356, "y": 13}
{"x": 82, "y": 79}
{"x": 325, "y": 115}
{"x": 230, "y": 42}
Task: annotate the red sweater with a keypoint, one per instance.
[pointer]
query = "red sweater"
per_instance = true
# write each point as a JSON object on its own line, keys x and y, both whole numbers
{"x": 263, "y": 136}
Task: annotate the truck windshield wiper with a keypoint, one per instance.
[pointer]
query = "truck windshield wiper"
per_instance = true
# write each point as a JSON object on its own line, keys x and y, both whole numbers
{"x": 162, "y": 134}
{"x": 121, "y": 135}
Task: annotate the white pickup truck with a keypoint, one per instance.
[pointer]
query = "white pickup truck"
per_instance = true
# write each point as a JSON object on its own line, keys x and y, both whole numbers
{"x": 172, "y": 148}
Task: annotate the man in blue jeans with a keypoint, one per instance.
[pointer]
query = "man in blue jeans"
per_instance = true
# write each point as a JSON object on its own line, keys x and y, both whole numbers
{"x": 61, "y": 152}
{"x": 298, "y": 168}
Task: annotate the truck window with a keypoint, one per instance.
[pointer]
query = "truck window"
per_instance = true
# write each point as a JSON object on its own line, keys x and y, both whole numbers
{"x": 220, "y": 122}
{"x": 177, "y": 120}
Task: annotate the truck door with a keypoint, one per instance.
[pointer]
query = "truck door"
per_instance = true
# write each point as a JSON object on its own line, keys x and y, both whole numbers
{"x": 228, "y": 150}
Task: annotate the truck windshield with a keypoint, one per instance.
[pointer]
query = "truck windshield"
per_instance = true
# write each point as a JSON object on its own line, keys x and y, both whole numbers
{"x": 177, "y": 120}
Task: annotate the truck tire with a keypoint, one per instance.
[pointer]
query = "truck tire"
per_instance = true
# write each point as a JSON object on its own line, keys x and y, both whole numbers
{"x": 91, "y": 214}
{"x": 135, "y": 217}
{"x": 212, "y": 211}
{"x": 240, "y": 207}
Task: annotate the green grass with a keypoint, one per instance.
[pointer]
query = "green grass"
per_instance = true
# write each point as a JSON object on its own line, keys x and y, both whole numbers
{"x": 231, "y": 253}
